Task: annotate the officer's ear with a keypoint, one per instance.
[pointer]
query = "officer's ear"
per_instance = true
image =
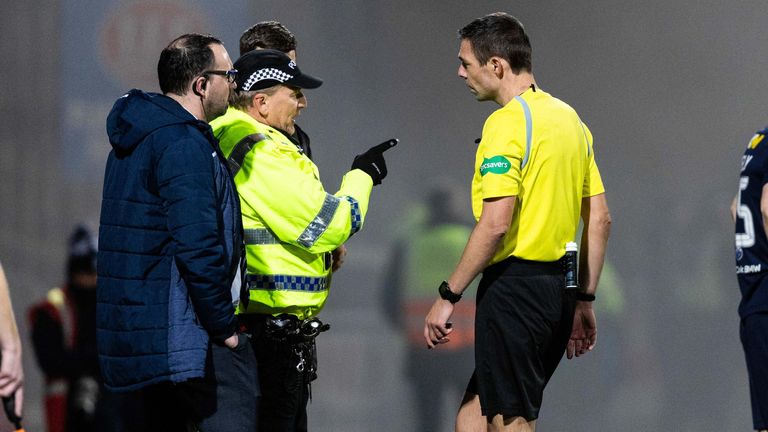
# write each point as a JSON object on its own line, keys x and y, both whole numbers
{"x": 259, "y": 102}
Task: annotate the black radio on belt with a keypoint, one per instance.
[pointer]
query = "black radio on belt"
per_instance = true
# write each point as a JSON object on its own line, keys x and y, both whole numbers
{"x": 291, "y": 329}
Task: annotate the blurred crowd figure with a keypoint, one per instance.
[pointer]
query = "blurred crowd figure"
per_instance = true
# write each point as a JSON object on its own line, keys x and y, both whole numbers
{"x": 427, "y": 249}
{"x": 64, "y": 339}
{"x": 63, "y": 327}
{"x": 698, "y": 380}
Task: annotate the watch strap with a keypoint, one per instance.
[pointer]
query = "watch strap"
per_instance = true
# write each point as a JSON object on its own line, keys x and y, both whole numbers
{"x": 582, "y": 296}
{"x": 446, "y": 294}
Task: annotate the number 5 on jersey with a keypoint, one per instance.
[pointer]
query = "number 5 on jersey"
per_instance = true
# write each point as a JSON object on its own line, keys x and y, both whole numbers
{"x": 747, "y": 238}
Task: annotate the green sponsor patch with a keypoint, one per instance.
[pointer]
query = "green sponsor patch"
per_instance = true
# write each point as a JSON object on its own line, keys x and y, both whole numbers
{"x": 495, "y": 165}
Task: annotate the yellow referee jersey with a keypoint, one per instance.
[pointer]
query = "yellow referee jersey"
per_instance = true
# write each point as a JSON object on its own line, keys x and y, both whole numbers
{"x": 537, "y": 149}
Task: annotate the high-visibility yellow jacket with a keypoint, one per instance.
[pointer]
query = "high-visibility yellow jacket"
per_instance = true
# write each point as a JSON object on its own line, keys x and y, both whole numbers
{"x": 291, "y": 223}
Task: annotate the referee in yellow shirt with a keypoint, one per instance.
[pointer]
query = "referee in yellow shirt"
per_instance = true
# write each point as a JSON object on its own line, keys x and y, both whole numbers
{"x": 535, "y": 174}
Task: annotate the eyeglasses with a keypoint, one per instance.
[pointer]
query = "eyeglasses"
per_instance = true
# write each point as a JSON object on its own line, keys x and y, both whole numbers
{"x": 230, "y": 74}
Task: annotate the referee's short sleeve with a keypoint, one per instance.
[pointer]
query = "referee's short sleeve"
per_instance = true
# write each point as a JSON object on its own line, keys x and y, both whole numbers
{"x": 593, "y": 183}
{"x": 501, "y": 150}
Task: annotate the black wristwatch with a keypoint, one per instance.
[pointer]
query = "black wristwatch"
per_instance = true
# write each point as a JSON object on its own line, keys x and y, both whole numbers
{"x": 447, "y": 294}
{"x": 582, "y": 296}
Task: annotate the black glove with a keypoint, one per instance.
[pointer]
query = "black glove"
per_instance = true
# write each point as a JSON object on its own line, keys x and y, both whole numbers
{"x": 372, "y": 161}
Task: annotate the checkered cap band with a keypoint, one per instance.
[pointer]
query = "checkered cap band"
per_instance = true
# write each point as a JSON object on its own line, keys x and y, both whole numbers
{"x": 266, "y": 74}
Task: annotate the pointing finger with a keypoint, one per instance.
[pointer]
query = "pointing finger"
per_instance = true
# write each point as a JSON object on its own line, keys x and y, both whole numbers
{"x": 386, "y": 145}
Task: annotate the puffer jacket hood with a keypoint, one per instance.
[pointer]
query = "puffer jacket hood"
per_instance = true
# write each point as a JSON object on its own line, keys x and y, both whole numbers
{"x": 137, "y": 114}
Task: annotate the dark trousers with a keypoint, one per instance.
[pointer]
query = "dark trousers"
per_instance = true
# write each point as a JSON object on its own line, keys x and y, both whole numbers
{"x": 285, "y": 389}
{"x": 225, "y": 400}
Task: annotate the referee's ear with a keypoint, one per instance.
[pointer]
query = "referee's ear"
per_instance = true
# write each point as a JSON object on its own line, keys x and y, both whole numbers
{"x": 497, "y": 66}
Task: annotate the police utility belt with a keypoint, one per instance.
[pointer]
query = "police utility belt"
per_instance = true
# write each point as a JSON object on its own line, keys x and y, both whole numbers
{"x": 283, "y": 328}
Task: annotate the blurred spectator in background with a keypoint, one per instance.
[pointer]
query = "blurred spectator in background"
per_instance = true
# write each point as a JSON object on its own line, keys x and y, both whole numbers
{"x": 692, "y": 312}
{"x": 64, "y": 339}
{"x": 11, "y": 373}
{"x": 428, "y": 248}
{"x": 601, "y": 380}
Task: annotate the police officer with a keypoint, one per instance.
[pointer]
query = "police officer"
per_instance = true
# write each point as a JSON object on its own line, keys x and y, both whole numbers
{"x": 274, "y": 35}
{"x": 291, "y": 226}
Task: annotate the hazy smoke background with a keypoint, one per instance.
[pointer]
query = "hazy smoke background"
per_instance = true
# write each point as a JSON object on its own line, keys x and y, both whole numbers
{"x": 672, "y": 92}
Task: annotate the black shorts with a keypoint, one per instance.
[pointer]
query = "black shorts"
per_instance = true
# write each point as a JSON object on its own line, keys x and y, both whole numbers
{"x": 754, "y": 338}
{"x": 523, "y": 323}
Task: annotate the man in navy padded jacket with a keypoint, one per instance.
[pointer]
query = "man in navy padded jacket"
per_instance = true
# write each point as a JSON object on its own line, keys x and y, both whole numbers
{"x": 170, "y": 254}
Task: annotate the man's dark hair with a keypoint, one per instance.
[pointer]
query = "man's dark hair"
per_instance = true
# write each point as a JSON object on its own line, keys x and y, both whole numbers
{"x": 267, "y": 35}
{"x": 499, "y": 34}
{"x": 183, "y": 60}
